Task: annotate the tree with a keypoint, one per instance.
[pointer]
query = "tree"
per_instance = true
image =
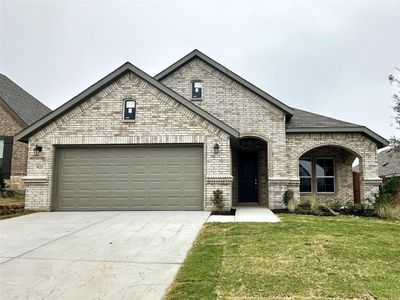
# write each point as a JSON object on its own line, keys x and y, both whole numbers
{"x": 394, "y": 80}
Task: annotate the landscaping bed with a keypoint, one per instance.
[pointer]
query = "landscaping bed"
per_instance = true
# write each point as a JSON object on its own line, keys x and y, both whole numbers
{"x": 302, "y": 257}
{"x": 12, "y": 206}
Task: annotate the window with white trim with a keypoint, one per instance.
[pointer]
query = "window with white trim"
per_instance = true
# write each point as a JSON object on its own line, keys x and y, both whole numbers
{"x": 129, "y": 109}
{"x": 325, "y": 175}
{"x": 305, "y": 174}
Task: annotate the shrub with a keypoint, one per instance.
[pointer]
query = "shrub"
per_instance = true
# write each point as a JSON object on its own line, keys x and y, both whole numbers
{"x": 336, "y": 206}
{"x": 292, "y": 205}
{"x": 287, "y": 197}
{"x": 387, "y": 201}
{"x": 2, "y": 186}
{"x": 217, "y": 199}
{"x": 388, "y": 211}
{"x": 389, "y": 192}
{"x": 313, "y": 206}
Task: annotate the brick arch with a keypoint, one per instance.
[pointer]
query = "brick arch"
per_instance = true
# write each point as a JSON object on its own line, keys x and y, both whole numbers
{"x": 349, "y": 149}
{"x": 247, "y": 135}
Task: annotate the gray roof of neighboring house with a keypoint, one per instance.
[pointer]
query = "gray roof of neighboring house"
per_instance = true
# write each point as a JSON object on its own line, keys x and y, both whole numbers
{"x": 121, "y": 71}
{"x": 198, "y": 54}
{"x": 389, "y": 163}
{"x": 307, "y": 122}
{"x": 26, "y": 107}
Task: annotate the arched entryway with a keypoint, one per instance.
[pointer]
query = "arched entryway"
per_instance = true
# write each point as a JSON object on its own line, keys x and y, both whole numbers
{"x": 250, "y": 171}
{"x": 326, "y": 171}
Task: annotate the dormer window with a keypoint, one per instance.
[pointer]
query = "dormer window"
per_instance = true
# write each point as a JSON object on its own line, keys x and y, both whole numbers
{"x": 197, "y": 90}
{"x": 129, "y": 109}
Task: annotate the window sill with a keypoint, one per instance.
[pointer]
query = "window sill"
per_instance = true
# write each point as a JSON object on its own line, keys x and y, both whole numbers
{"x": 197, "y": 99}
{"x": 128, "y": 121}
{"x": 316, "y": 193}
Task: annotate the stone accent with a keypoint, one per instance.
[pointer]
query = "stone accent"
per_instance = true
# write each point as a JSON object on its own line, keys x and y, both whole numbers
{"x": 10, "y": 126}
{"x": 98, "y": 120}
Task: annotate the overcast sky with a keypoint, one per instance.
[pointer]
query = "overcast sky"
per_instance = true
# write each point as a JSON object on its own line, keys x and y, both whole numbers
{"x": 328, "y": 57}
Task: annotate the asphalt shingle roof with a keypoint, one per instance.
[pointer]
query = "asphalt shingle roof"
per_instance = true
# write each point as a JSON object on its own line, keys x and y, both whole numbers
{"x": 305, "y": 119}
{"x": 389, "y": 163}
{"x": 27, "y": 107}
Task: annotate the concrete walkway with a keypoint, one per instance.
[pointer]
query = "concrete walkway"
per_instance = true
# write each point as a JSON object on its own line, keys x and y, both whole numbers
{"x": 94, "y": 255}
{"x": 247, "y": 214}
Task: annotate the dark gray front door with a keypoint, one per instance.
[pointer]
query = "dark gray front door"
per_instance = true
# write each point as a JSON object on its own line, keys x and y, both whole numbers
{"x": 129, "y": 178}
{"x": 248, "y": 176}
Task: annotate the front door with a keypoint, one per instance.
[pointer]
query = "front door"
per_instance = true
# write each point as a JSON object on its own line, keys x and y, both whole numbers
{"x": 248, "y": 176}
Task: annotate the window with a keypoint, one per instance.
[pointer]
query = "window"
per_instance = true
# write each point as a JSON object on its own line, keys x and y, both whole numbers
{"x": 325, "y": 174}
{"x": 1, "y": 153}
{"x": 197, "y": 89}
{"x": 305, "y": 173}
{"x": 129, "y": 109}
{"x": 317, "y": 175}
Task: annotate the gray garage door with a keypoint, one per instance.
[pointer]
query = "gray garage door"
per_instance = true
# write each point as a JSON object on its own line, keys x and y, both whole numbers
{"x": 129, "y": 178}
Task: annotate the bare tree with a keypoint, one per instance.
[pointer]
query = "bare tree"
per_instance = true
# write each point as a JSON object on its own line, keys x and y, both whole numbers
{"x": 395, "y": 81}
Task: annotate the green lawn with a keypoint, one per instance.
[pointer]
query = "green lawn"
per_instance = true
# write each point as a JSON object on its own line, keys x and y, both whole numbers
{"x": 304, "y": 257}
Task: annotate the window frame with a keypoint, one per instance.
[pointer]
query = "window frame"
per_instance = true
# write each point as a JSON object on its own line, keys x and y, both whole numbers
{"x": 192, "y": 83}
{"x": 333, "y": 177}
{"x": 314, "y": 177}
{"x": 307, "y": 177}
{"x": 124, "y": 108}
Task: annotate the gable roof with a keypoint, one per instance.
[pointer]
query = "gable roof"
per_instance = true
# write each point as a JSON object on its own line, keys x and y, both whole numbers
{"x": 197, "y": 54}
{"x": 25, "y": 107}
{"x": 307, "y": 122}
{"x": 119, "y": 72}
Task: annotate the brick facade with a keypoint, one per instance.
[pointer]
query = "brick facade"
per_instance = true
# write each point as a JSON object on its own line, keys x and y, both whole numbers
{"x": 9, "y": 126}
{"x": 161, "y": 119}
{"x": 254, "y": 117}
{"x": 243, "y": 110}
{"x": 344, "y": 148}
{"x": 98, "y": 120}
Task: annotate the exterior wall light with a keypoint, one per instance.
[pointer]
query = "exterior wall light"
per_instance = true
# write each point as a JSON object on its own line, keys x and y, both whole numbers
{"x": 37, "y": 150}
{"x": 216, "y": 148}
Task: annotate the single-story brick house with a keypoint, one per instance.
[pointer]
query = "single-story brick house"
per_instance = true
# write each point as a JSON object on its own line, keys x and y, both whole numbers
{"x": 18, "y": 110}
{"x": 136, "y": 142}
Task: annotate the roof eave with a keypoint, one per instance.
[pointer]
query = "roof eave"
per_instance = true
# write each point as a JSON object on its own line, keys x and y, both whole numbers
{"x": 24, "y": 135}
{"x": 379, "y": 140}
{"x": 196, "y": 53}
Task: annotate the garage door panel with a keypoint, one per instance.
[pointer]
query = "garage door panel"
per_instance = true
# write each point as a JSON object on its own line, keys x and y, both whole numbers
{"x": 129, "y": 178}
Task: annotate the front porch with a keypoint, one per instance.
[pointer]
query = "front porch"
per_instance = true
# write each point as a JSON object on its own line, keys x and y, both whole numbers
{"x": 250, "y": 172}
{"x": 323, "y": 171}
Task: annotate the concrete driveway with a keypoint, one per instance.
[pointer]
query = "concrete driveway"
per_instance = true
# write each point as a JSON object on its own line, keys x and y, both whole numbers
{"x": 94, "y": 255}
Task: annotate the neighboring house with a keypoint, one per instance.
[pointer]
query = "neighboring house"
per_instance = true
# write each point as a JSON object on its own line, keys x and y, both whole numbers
{"x": 18, "y": 110}
{"x": 388, "y": 164}
{"x": 136, "y": 142}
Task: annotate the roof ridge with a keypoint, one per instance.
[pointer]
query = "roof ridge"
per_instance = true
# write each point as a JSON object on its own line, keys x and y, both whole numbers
{"x": 197, "y": 53}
